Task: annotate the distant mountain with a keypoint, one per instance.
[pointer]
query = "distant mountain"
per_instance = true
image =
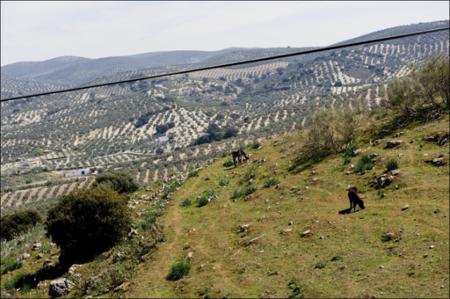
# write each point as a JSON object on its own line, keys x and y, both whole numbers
{"x": 157, "y": 127}
{"x": 71, "y": 70}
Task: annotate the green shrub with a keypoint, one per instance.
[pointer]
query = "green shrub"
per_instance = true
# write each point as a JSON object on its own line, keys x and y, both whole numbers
{"x": 243, "y": 191}
{"x": 202, "y": 201}
{"x": 87, "y": 222}
{"x": 224, "y": 182}
{"x": 349, "y": 150}
{"x": 337, "y": 258}
{"x": 9, "y": 264}
{"x": 249, "y": 174}
{"x": 150, "y": 217}
{"x": 391, "y": 165}
{"x": 228, "y": 163}
{"x": 178, "y": 270}
{"x": 320, "y": 265}
{"x": 256, "y": 145}
{"x": 297, "y": 290}
{"x": 269, "y": 182}
{"x": 364, "y": 164}
{"x": 193, "y": 174}
{"x": 18, "y": 223}
{"x": 346, "y": 160}
{"x": 119, "y": 182}
{"x": 186, "y": 202}
{"x": 329, "y": 132}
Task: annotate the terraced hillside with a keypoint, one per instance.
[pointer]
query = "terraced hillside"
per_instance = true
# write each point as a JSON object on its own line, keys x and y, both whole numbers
{"x": 157, "y": 128}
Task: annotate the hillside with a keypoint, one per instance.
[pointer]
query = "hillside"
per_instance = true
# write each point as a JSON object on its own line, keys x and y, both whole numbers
{"x": 355, "y": 260}
{"x": 260, "y": 230}
{"x": 156, "y": 129}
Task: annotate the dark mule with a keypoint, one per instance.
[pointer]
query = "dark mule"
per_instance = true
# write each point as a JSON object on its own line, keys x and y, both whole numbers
{"x": 238, "y": 157}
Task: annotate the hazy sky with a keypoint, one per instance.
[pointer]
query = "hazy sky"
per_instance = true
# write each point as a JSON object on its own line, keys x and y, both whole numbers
{"x": 34, "y": 30}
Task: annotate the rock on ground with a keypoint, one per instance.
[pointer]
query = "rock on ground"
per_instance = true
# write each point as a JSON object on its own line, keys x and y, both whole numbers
{"x": 60, "y": 287}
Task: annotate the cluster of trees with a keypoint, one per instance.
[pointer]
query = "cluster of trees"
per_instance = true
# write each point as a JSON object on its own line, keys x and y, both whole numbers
{"x": 330, "y": 132}
{"x": 216, "y": 133}
{"x": 426, "y": 87}
{"x": 161, "y": 129}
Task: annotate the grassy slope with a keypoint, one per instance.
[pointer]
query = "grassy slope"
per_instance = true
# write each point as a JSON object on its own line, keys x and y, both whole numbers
{"x": 221, "y": 266}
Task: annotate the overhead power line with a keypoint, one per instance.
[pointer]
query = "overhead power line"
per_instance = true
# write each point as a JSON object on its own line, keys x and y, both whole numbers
{"x": 335, "y": 47}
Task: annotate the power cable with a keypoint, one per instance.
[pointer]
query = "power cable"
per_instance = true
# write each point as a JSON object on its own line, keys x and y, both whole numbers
{"x": 335, "y": 47}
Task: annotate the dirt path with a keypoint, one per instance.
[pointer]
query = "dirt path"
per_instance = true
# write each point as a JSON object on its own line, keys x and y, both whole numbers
{"x": 150, "y": 278}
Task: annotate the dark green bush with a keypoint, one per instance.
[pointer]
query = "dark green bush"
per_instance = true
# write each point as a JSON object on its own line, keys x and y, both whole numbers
{"x": 391, "y": 165}
{"x": 178, "y": 270}
{"x": 228, "y": 163}
{"x": 255, "y": 145}
{"x": 18, "y": 223}
{"x": 269, "y": 182}
{"x": 202, "y": 201}
{"x": 119, "y": 182}
{"x": 193, "y": 174}
{"x": 87, "y": 222}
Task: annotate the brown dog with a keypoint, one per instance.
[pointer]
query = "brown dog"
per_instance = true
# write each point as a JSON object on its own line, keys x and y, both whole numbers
{"x": 354, "y": 198}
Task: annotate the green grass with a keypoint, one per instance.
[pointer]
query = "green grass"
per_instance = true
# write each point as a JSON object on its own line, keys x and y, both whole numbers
{"x": 357, "y": 262}
{"x": 10, "y": 264}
